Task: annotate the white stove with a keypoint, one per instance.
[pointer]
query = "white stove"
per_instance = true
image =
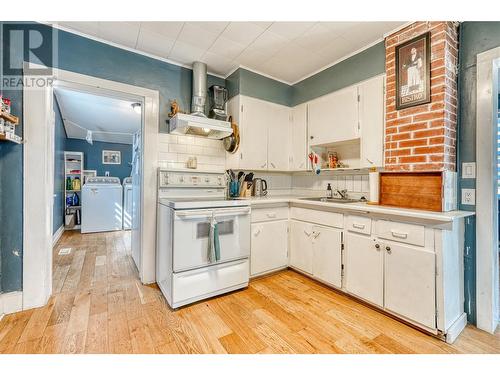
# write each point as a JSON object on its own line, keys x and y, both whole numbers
{"x": 203, "y": 244}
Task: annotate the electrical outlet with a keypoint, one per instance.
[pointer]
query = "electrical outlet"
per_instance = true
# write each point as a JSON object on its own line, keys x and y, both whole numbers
{"x": 106, "y": 174}
{"x": 469, "y": 196}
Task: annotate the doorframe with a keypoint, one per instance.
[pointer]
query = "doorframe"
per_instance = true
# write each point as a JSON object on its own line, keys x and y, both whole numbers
{"x": 38, "y": 177}
{"x": 487, "y": 279}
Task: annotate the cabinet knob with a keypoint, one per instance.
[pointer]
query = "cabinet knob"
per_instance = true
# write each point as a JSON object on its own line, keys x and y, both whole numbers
{"x": 377, "y": 246}
{"x": 388, "y": 249}
{"x": 311, "y": 137}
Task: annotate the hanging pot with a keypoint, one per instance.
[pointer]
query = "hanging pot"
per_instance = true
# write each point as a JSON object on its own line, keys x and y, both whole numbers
{"x": 232, "y": 142}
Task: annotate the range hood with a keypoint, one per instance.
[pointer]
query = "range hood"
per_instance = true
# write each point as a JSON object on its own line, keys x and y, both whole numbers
{"x": 201, "y": 126}
{"x": 197, "y": 123}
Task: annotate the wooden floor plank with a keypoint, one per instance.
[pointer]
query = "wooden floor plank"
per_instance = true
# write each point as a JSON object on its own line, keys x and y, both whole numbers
{"x": 100, "y": 306}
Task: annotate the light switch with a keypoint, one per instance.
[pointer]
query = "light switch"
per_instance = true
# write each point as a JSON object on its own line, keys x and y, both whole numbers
{"x": 469, "y": 196}
{"x": 469, "y": 170}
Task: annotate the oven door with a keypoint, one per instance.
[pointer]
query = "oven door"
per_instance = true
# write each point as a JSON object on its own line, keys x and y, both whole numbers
{"x": 192, "y": 231}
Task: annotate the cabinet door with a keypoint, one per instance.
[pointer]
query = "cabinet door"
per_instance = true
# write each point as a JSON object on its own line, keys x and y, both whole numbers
{"x": 278, "y": 137}
{"x": 269, "y": 247}
{"x": 254, "y": 119}
{"x": 364, "y": 268}
{"x": 410, "y": 282}
{"x": 301, "y": 246}
{"x": 371, "y": 120}
{"x": 327, "y": 255}
{"x": 334, "y": 117}
{"x": 298, "y": 135}
{"x": 233, "y": 109}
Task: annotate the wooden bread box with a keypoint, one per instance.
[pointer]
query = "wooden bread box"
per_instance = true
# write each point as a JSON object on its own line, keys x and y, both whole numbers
{"x": 430, "y": 191}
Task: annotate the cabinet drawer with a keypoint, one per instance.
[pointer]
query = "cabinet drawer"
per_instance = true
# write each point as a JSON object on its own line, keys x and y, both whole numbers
{"x": 269, "y": 214}
{"x": 331, "y": 219}
{"x": 359, "y": 224}
{"x": 401, "y": 232}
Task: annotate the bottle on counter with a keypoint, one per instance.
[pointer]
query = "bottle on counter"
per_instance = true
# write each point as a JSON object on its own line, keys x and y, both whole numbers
{"x": 329, "y": 192}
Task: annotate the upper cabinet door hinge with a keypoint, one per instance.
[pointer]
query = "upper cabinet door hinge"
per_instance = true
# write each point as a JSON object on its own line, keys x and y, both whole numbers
{"x": 359, "y": 98}
{"x": 242, "y": 108}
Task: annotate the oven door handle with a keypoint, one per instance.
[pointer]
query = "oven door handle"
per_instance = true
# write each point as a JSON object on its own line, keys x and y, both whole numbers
{"x": 232, "y": 212}
{"x": 199, "y": 214}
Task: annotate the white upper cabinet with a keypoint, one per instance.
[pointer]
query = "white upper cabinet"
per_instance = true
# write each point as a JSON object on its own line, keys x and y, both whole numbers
{"x": 298, "y": 138}
{"x": 371, "y": 120}
{"x": 278, "y": 149}
{"x": 254, "y": 121}
{"x": 334, "y": 117}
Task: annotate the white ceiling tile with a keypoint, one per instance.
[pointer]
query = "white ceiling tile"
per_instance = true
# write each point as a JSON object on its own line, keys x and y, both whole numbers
{"x": 252, "y": 58}
{"x": 242, "y": 32}
{"x": 263, "y": 25}
{"x": 268, "y": 43}
{"x": 214, "y": 27}
{"x": 227, "y": 48}
{"x": 185, "y": 53}
{"x": 171, "y": 29}
{"x": 124, "y": 33}
{"x": 290, "y": 30}
{"x": 90, "y": 28}
{"x": 197, "y": 36}
{"x": 217, "y": 63}
{"x": 315, "y": 38}
{"x": 336, "y": 48}
{"x": 339, "y": 28}
{"x": 154, "y": 43}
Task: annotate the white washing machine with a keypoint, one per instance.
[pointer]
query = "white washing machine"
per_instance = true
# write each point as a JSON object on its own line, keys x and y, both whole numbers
{"x": 102, "y": 205}
{"x": 127, "y": 203}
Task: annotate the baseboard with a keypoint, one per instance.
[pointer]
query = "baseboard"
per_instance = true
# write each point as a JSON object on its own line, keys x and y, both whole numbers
{"x": 57, "y": 235}
{"x": 456, "y": 328}
{"x": 11, "y": 302}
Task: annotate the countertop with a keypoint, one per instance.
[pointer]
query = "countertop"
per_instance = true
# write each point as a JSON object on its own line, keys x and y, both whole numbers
{"x": 361, "y": 207}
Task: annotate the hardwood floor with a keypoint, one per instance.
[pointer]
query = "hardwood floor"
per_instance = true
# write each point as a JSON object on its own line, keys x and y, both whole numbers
{"x": 99, "y": 306}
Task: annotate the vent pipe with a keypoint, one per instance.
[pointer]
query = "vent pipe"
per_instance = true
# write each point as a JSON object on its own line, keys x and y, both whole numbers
{"x": 199, "y": 89}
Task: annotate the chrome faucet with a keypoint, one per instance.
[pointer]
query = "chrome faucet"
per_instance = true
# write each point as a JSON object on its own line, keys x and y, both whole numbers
{"x": 342, "y": 193}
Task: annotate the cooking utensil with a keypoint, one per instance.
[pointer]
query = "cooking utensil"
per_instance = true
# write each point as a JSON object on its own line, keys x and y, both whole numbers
{"x": 232, "y": 142}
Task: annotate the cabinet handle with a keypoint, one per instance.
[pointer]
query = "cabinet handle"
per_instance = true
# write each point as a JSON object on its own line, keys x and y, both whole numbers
{"x": 271, "y": 214}
{"x": 263, "y": 165}
{"x": 257, "y": 232}
{"x": 358, "y": 226}
{"x": 272, "y": 165}
{"x": 316, "y": 234}
{"x": 307, "y": 234}
{"x": 388, "y": 249}
{"x": 369, "y": 161}
{"x": 399, "y": 235}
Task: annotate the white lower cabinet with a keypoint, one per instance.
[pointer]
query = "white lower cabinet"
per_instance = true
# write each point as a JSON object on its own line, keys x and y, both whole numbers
{"x": 327, "y": 255}
{"x": 317, "y": 250}
{"x": 364, "y": 268}
{"x": 301, "y": 251}
{"x": 410, "y": 282}
{"x": 269, "y": 247}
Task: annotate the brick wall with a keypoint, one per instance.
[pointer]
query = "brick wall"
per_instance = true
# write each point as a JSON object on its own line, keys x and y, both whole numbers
{"x": 424, "y": 137}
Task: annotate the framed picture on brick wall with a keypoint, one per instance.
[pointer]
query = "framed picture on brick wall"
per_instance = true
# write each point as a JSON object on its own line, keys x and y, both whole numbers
{"x": 413, "y": 72}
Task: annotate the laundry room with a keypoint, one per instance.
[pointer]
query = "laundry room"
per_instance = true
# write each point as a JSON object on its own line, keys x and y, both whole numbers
{"x": 97, "y": 146}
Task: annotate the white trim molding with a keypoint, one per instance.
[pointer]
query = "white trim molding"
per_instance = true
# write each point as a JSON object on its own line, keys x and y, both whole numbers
{"x": 487, "y": 280}
{"x": 10, "y": 303}
{"x": 57, "y": 235}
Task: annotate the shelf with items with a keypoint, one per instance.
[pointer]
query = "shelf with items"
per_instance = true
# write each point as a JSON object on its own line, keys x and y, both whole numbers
{"x": 8, "y": 123}
{"x": 73, "y": 182}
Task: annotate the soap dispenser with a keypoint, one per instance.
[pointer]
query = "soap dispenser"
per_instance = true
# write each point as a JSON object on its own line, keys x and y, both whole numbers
{"x": 329, "y": 192}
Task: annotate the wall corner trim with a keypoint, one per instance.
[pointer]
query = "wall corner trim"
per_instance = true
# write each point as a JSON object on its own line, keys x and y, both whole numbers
{"x": 57, "y": 235}
{"x": 10, "y": 303}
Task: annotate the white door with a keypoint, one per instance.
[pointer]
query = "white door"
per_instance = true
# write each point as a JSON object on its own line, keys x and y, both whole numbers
{"x": 371, "y": 120}
{"x": 278, "y": 137}
{"x": 301, "y": 246}
{"x": 364, "y": 268}
{"x": 269, "y": 247}
{"x": 254, "y": 119}
{"x": 410, "y": 282}
{"x": 327, "y": 255}
{"x": 334, "y": 117}
{"x": 298, "y": 135}
{"x": 233, "y": 109}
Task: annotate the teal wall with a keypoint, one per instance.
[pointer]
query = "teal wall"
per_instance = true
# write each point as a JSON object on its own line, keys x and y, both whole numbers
{"x": 364, "y": 65}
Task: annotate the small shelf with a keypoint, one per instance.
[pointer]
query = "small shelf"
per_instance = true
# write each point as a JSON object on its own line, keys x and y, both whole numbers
{"x": 9, "y": 117}
{"x": 73, "y": 191}
{"x": 8, "y": 138}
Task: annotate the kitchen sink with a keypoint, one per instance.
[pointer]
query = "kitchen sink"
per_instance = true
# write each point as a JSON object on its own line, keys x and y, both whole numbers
{"x": 333, "y": 200}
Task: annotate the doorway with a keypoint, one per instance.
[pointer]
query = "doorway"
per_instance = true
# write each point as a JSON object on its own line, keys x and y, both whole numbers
{"x": 97, "y": 168}
{"x": 39, "y": 157}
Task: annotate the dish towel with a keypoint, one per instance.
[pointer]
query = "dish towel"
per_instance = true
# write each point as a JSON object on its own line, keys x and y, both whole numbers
{"x": 213, "y": 241}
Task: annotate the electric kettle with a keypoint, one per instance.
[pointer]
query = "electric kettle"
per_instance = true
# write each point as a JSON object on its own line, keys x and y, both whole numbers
{"x": 259, "y": 187}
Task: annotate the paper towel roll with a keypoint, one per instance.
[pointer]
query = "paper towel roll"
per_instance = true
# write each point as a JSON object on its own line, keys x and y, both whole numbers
{"x": 373, "y": 179}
